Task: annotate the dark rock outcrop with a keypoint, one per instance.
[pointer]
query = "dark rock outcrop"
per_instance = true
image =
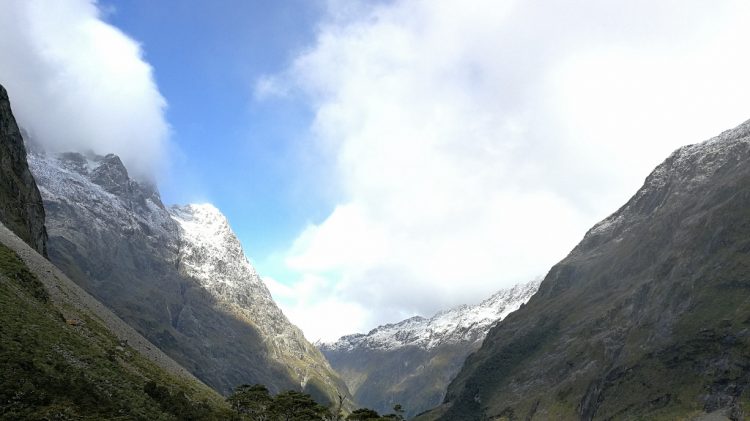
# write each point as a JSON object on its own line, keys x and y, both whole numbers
{"x": 21, "y": 208}
{"x": 647, "y": 318}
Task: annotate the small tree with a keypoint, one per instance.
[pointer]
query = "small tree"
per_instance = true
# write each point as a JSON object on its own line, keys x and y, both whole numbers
{"x": 253, "y": 401}
{"x": 363, "y": 414}
{"x": 296, "y": 406}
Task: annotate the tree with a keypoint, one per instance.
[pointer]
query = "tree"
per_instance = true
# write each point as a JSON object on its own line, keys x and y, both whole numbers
{"x": 296, "y": 406}
{"x": 363, "y": 414}
{"x": 253, "y": 401}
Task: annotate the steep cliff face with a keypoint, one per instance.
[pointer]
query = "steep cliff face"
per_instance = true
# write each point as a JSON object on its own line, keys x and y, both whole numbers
{"x": 211, "y": 254}
{"x": 178, "y": 276}
{"x": 411, "y": 362}
{"x": 647, "y": 318}
{"x": 21, "y": 208}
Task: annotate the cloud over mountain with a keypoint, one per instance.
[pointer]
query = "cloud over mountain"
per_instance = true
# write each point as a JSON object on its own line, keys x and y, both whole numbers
{"x": 79, "y": 83}
{"x": 475, "y": 143}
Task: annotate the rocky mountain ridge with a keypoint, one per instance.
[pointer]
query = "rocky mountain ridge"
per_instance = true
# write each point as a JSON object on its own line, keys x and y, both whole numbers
{"x": 411, "y": 362}
{"x": 179, "y": 276}
{"x": 211, "y": 253}
{"x": 461, "y": 324}
{"x": 646, "y": 318}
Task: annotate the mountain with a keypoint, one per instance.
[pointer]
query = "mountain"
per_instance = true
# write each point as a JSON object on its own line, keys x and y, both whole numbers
{"x": 647, "y": 318}
{"x": 21, "y": 208}
{"x": 411, "y": 362}
{"x": 178, "y": 276}
{"x": 63, "y": 355}
{"x": 211, "y": 253}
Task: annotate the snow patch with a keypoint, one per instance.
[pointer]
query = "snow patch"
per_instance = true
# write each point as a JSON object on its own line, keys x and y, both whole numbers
{"x": 458, "y": 325}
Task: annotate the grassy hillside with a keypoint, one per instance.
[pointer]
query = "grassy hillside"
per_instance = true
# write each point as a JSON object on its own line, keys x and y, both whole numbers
{"x": 55, "y": 366}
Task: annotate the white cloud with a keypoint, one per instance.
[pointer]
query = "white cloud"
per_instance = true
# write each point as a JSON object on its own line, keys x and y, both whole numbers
{"x": 476, "y": 143}
{"x": 78, "y": 83}
{"x": 312, "y": 305}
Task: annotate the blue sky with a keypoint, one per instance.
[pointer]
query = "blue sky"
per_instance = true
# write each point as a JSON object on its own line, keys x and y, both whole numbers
{"x": 383, "y": 159}
{"x": 239, "y": 154}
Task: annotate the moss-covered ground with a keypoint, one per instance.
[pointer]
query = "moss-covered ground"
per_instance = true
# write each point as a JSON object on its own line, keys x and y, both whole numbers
{"x": 53, "y": 368}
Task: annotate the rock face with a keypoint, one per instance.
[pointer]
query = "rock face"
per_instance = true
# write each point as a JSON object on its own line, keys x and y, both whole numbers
{"x": 21, "y": 208}
{"x": 411, "y": 362}
{"x": 64, "y": 355}
{"x": 647, "y": 318}
{"x": 211, "y": 253}
{"x": 178, "y": 276}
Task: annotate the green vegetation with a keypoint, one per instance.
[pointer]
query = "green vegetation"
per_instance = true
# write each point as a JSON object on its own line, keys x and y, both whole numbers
{"x": 53, "y": 368}
{"x": 377, "y": 378}
{"x": 255, "y": 403}
{"x": 16, "y": 271}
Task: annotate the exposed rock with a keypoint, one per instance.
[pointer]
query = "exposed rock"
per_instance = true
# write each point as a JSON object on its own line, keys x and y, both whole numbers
{"x": 211, "y": 253}
{"x": 411, "y": 362}
{"x": 178, "y": 276}
{"x": 647, "y": 318}
{"x": 21, "y": 208}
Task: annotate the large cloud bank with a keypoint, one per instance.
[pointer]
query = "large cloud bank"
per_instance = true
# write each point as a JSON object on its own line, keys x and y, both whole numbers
{"x": 78, "y": 83}
{"x": 475, "y": 142}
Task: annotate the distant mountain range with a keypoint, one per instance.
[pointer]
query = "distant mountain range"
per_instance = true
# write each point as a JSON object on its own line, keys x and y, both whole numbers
{"x": 647, "y": 318}
{"x": 411, "y": 362}
{"x": 177, "y": 275}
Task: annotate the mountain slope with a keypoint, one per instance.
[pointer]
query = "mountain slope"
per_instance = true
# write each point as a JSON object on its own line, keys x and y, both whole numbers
{"x": 411, "y": 362}
{"x": 21, "y": 209}
{"x": 114, "y": 237}
{"x": 211, "y": 253}
{"x": 647, "y": 318}
{"x": 63, "y": 355}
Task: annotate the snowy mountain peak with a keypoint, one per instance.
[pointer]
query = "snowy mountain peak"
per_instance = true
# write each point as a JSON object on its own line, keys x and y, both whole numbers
{"x": 187, "y": 257}
{"x": 460, "y": 324}
{"x": 205, "y": 224}
{"x": 212, "y": 254}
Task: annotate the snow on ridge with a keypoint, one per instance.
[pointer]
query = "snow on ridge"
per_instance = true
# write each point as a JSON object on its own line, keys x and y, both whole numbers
{"x": 693, "y": 164}
{"x": 211, "y": 253}
{"x": 463, "y": 323}
{"x": 198, "y": 237}
{"x": 66, "y": 178}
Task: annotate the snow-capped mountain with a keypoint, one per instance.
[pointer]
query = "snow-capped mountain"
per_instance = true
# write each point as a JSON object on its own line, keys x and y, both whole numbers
{"x": 411, "y": 362}
{"x": 646, "y": 318}
{"x": 178, "y": 275}
{"x": 211, "y": 253}
{"x": 462, "y": 324}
